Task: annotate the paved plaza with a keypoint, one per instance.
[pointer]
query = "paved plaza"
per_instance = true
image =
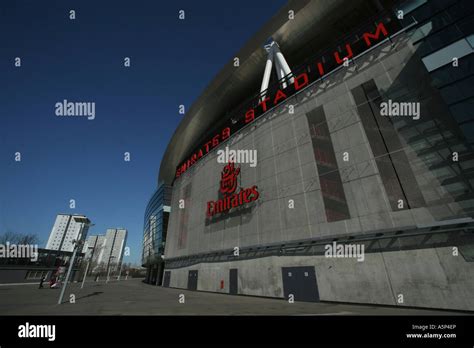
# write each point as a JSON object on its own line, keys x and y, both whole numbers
{"x": 133, "y": 297}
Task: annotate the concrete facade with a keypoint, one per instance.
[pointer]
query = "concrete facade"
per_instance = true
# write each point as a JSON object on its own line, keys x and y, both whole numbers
{"x": 426, "y": 278}
{"x": 294, "y": 203}
{"x": 287, "y": 170}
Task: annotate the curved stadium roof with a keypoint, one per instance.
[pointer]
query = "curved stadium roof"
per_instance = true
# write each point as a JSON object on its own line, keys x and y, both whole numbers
{"x": 317, "y": 24}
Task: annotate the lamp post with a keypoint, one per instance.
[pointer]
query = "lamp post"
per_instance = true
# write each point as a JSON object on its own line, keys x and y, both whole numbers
{"x": 108, "y": 269}
{"x": 85, "y": 274}
{"x": 88, "y": 262}
{"x": 121, "y": 264}
{"x": 77, "y": 244}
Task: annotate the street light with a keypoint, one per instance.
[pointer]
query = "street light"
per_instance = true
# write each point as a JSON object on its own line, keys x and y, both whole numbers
{"x": 108, "y": 269}
{"x": 85, "y": 274}
{"x": 121, "y": 264}
{"x": 88, "y": 262}
{"x": 77, "y": 244}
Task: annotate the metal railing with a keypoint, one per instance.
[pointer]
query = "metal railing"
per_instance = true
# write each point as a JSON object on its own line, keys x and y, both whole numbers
{"x": 456, "y": 233}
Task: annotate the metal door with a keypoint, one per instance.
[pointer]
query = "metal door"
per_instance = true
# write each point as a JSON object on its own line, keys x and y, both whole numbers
{"x": 167, "y": 279}
{"x": 233, "y": 281}
{"x": 301, "y": 283}
{"x": 192, "y": 280}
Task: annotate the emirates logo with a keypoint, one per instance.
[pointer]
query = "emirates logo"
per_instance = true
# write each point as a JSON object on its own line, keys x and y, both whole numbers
{"x": 229, "y": 178}
{"x": 228, "y": 187}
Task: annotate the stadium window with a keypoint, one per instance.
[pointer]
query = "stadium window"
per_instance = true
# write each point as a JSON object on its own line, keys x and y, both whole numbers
{"x": 445, "y": 55}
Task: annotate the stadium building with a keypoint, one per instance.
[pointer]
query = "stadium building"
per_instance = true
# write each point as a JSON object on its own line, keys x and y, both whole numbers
{"x": 361, "y": 188}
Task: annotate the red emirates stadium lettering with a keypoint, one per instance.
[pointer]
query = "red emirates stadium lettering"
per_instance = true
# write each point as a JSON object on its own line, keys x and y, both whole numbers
{"x": 302, "y": 80}
{"x": 310, "y": 74}
{"x": 204, "y": 150}
{"x": 232, "y": 201}
{"x": 228, "y": 187}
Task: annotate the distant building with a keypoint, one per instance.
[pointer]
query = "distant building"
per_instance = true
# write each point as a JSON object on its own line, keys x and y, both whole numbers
{"x": 115, "y": 239}
{"x": 94, "y": 250}
{"x": 66, "y": 229}
{"x": 106, "y": 251}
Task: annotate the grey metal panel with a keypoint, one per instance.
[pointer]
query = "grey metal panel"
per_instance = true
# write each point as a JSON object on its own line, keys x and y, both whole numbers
{"x": 394, "y": 167}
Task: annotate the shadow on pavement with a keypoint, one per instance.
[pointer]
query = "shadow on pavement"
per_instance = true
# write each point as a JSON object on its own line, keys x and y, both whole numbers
{"x": 95, "y": 293}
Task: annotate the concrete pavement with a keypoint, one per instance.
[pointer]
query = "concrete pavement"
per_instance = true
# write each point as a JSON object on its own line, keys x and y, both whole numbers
{"x": 133, "y": 297}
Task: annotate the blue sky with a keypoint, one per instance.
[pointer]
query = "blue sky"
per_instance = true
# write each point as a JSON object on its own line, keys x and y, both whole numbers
{"x": 65, "y": 158}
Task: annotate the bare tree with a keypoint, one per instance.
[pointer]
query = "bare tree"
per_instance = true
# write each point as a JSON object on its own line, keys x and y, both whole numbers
{"x": 18, "y": 238}
{"x": 7, "y": 237}
{"x": 28, "y": 239}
